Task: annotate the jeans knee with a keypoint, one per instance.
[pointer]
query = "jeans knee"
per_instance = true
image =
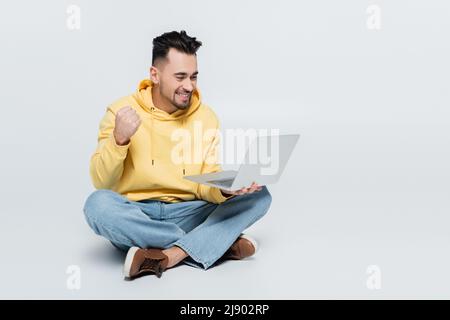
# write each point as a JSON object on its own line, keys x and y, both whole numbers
{"x": 264, "y": 199}
{"x": 98, "y": 204}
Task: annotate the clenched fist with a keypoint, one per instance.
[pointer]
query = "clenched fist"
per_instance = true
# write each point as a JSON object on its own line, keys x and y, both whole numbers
{"x": 127, "y": 123}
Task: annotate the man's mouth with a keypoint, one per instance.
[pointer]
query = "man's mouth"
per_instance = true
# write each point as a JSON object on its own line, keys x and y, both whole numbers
{"x": 184, "y": 96}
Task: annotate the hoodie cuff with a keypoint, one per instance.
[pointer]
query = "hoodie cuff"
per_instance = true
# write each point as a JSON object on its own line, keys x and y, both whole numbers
{"x": 212, "y": 194}
{"x": 218, "y": 196}
{"x": 118, "y": 149}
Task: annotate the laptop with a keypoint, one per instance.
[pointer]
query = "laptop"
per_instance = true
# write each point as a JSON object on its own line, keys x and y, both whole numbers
{"x": 264, "y": 162}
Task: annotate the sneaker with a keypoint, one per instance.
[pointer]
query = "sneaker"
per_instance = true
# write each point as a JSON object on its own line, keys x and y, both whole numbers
{"x": 144, "y": 261}
{"x": 244, "y": 247}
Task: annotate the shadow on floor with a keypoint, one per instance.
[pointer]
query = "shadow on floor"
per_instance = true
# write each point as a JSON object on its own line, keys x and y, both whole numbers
{"x": 105, "y": 253}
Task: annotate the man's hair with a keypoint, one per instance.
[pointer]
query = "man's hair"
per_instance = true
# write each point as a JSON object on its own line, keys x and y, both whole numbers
{"x": 177, "y": 40}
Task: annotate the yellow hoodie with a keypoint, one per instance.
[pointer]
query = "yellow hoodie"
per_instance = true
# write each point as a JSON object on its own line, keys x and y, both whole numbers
{"x": 144, "y": 169}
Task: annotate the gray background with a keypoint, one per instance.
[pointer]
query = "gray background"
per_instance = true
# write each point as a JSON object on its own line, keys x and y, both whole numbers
{"x": 368, "y": 183}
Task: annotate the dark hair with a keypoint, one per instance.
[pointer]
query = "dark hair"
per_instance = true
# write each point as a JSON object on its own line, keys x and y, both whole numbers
{"x": 177, "y": 40}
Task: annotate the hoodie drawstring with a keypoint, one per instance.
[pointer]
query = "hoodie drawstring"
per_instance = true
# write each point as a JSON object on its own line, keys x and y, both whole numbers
{"x": 151, "y": 140}
{"x": 182, "y": 127}
{"x": 143, "y": 97}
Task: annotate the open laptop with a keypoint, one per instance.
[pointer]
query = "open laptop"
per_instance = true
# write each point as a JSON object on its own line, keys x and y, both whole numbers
{"x": 264, "y": 162}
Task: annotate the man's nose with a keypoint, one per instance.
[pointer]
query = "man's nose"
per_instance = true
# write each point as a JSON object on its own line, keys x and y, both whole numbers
{"x": 188, "y": 86}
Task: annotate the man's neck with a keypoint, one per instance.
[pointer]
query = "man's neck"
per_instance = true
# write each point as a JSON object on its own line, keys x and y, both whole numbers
{"x": 158, "y": 102}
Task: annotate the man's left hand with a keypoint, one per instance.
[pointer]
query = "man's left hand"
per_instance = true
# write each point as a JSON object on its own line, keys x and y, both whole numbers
{"x": 253, "y": 188}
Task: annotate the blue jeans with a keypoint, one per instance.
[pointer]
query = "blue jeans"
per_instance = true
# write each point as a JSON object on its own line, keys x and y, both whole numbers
{"x": 204, "y": 230}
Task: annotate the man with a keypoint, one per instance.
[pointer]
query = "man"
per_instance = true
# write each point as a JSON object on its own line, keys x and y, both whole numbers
{"x": 144, "y": 205}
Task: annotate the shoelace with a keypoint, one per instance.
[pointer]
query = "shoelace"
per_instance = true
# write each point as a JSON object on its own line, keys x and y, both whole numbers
{"x": 152, "y": 264}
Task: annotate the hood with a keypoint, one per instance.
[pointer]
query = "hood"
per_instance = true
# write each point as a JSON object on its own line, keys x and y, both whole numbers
{"x": 143, "y": 96}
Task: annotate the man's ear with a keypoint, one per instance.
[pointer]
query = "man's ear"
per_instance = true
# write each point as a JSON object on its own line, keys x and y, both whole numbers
{"x": 154, "y": 75}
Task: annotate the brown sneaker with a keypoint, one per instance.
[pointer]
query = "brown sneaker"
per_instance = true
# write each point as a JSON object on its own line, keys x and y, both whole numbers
{"x": 144, "y": 261}
{"x": 244, "y": 247}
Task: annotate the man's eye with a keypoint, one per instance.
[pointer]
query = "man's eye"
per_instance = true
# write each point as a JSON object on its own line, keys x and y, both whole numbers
{"x": 182, "y": 78}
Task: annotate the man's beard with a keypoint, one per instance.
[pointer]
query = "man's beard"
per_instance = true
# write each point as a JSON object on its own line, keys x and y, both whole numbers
{"x": 173, "y": 99}
{"x": 181, "y": 105}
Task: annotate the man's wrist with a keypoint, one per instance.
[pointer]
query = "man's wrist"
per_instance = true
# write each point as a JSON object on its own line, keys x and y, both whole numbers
{"x": 121, "y": 142}
{"x": 226, "y": 195}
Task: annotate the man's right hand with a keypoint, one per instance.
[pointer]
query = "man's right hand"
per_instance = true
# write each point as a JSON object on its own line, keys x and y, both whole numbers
{"x": 127, "y": 123}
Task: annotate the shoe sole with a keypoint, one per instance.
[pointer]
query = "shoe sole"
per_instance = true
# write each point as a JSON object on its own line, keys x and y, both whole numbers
{"x": 252, "y": 241}
{"x": 128, "y": 261}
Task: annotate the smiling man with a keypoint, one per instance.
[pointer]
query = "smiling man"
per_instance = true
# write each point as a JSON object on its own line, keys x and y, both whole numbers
{"x": 143, "y": 204}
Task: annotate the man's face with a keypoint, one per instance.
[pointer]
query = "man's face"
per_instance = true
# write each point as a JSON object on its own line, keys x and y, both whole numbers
{"x": 178, "y": 78}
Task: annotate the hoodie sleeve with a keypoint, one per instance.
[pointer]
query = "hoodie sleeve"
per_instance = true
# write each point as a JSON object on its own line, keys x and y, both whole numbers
{"x": 207, "y": 193}
{"x": 106, "y": 165}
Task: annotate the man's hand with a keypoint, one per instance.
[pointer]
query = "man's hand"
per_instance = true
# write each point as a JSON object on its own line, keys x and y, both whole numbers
{"x": 253, "y": 188}
{"x": 127, "y": 123}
